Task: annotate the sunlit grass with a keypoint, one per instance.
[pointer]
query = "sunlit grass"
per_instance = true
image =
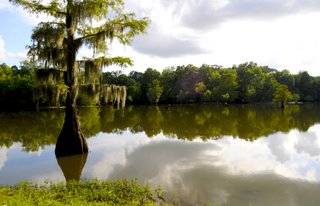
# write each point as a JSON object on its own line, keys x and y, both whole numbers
{"x": 91, "y": 192}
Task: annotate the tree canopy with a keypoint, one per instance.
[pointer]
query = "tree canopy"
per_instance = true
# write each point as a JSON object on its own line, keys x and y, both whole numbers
{"x": 94, "y": 24}
{"x": 282, "y": 95}
{"x": 74, "y": 24}
{"x": 56, "y": 43}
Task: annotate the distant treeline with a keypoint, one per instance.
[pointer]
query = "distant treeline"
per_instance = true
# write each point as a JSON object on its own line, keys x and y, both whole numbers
{"x": 244, "y": 83}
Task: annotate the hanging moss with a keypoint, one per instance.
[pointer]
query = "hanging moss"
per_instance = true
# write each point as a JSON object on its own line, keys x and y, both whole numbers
{"x": 114, "y": 94}
{"x": 50, "y": 95}
{"x": 123, "y": 94}
{"x": 92, "y": 72}
{"x": 47, "y": 76}
{"x": 89, "y": 94}
{"x": 49, "y": 89}
{"x": 40, "y": 95}
{"x": 118, "y": 96}
{"x": 58, "y": 94}
{"x": 106, "y": 94}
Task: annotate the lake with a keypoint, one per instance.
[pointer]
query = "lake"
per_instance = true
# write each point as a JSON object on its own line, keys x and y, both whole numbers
{"x": 235, "y": 155}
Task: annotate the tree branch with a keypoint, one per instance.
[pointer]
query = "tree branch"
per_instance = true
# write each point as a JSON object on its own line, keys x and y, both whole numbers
{"x": 53, "y": 9}
{"x": 80, "y": 39}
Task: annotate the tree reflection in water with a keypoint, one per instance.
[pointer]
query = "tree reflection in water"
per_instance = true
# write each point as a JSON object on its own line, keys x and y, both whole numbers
{"x": 249, "y": 122}
{"x": 72, "y": 166}
{"x": 71, "y": 148}
{"x": 278, "y": 168}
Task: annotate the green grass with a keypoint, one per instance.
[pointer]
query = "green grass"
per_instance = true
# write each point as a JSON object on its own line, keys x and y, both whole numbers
{"x": 90, "y": 192}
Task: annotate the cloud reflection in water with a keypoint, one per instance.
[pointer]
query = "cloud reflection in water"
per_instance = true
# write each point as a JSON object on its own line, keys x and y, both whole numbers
{"x": 281, "y": 168}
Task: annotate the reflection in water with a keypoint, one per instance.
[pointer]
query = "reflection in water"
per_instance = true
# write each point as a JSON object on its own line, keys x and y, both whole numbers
{"x": 71, "y": 148}
{"x": 250, "y": 122}
{"x": 205, "y": 121}
{"x": 72, "y": 166}
{"x": 251, "y": 154}
{"x": 33, "y": 130}
{"x": 3, "y": 156}
{"x": 227, "y": 171}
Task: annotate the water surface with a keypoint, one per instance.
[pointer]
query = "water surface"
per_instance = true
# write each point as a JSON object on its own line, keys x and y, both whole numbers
{"x": 234, "y": 155}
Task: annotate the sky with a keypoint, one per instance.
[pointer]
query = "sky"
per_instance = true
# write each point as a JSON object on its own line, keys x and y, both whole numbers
{"x": 279, "y": 34}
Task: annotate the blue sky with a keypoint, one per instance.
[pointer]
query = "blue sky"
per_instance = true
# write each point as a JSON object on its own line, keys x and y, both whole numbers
{"x": 15, "y": 32}
{"x": 281, "y": 34}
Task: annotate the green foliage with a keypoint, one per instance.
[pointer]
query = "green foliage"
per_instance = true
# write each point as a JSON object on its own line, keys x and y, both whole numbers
{"x": 207, "y": 96}
{"x": 295, "y": 97}
{"x": 33, "y": 130}
{"x": 306, "y": 85}
{"x": 187, "y": 78}
{"x": 55, "y": 43}
{"x": 282, "y": 95}
{"x": 225, "y": 97}
{"x": 49, "y": 46}
{"x": 284, "y": 77}
{"x": 90, "y": 192}
{"x": 243, "y": 83}
{"x": 89, "y": 94}
{"x": 16, "y": 87}
{"x": 154, "y": 91}
{"x": 200, "y": 88}
{"x": 226, "y": 85}
{"x": 168, "y": 81}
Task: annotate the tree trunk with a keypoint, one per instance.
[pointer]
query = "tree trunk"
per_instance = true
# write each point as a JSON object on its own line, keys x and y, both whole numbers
{"x": 282, "y": 104}
{"x": 71, "y": 140}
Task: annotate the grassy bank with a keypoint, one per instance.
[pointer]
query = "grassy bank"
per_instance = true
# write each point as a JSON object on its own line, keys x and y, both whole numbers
{"x": 91, "y": 192}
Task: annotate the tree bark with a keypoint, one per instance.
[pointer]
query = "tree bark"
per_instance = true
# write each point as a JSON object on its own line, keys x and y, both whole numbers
{"x": 71, "y": 140}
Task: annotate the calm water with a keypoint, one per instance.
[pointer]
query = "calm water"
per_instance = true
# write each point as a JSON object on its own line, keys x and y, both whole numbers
{"x": 234, "y": 156}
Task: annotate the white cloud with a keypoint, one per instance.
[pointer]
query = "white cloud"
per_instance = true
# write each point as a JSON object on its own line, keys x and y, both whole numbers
{"x": 4, "y": 4}
{"x": 6, "y": 56}
{"x": 203, "y": 14}
{"x": 17, "y": 56}
{"x": 165, "y": 38}
{"x": 280, "y": 34}
{"x": 161, "y": 44}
